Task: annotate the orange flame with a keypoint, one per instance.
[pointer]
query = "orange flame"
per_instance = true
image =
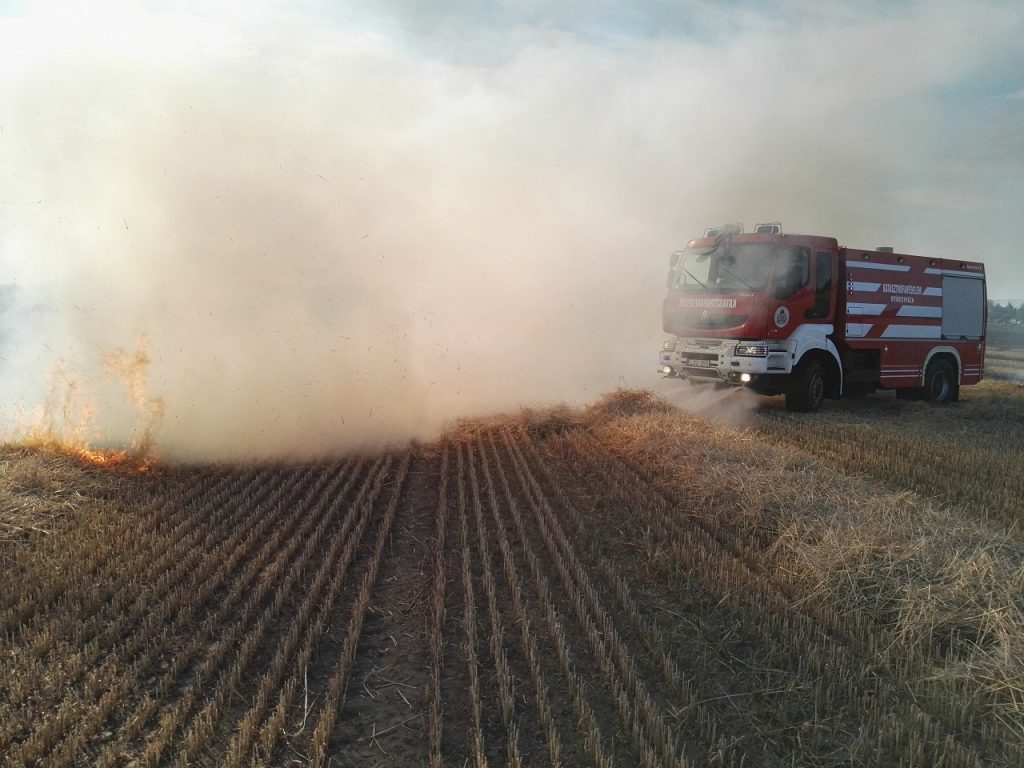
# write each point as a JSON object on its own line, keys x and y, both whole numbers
{"x": 113, "y": 459}
{"x": 133, "y": 370}
{"x": 66, "y": 425}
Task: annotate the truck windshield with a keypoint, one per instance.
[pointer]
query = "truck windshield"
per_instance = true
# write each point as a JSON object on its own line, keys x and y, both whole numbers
{"x": 725, "y": 268}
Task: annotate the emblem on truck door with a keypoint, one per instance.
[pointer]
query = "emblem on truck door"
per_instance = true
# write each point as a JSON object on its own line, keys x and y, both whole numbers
{"x": 781, "y": 317}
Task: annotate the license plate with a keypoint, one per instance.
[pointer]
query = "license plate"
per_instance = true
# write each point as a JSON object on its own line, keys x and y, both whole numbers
{"x": 697, "y": 363}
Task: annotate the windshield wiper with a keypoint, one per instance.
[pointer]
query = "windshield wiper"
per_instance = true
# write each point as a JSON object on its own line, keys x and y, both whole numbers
{"x": 688, "y": 272}
{"x": 704, "y": 257}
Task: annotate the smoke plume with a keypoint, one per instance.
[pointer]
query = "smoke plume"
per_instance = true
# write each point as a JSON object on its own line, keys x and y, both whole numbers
{"x": 339, "y": 231}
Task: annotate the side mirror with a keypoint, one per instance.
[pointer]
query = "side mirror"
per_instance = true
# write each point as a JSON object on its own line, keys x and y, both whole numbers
{"x": 673, "y": 260}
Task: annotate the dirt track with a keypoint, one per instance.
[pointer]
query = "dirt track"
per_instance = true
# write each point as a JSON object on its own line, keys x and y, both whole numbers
{"x": 516, "y": 594}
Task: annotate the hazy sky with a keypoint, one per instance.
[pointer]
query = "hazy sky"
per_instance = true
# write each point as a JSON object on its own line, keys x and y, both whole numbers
{"x": 342, "y": 223}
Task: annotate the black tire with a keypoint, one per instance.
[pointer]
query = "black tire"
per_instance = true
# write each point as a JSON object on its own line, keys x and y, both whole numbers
{"x": 940, "y": 382}
{"x": 807, "y": 387}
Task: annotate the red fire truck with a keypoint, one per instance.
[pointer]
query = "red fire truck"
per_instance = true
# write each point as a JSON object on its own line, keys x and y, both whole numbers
{"x": 802, "y": 316}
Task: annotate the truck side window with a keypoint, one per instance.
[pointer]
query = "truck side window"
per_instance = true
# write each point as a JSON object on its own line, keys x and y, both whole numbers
{"x": 793, "y": 271}
{"x": 822, "y": 285}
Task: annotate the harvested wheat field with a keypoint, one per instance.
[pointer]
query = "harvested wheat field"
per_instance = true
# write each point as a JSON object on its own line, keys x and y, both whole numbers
{"x": 622, "y": 585}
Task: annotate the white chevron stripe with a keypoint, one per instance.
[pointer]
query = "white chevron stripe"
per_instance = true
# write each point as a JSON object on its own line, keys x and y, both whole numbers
{"x": 884, "y": 267}
{"x": 912, "y": 310}
{"x": 865, "y": 309}
{"x": 864, "y": 287}
{"x": 912, "y": 332}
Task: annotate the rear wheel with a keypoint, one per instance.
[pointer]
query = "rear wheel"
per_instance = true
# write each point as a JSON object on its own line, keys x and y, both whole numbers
{"x": 940, "y": 382}
{"x": 806, "y": 390}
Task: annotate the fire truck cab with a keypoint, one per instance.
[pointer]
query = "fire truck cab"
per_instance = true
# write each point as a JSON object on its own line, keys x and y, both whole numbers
{"x": 802, "y": 316}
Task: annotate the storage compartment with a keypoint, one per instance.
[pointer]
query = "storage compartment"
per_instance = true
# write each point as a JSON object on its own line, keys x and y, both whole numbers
{"x": 963, "y": 307}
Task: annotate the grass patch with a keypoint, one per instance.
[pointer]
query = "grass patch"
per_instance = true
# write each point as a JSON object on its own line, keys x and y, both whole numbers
{"x": 919, "y": 565}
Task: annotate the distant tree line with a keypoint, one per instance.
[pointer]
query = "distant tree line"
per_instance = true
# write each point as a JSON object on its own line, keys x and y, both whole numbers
{"x": 1005, "y": 314}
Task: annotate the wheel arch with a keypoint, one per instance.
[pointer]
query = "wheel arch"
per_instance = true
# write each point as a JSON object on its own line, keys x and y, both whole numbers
{"x": 813, "y": 338}
{"x": 943, "y": 352}
{"x": 829, "y": 357}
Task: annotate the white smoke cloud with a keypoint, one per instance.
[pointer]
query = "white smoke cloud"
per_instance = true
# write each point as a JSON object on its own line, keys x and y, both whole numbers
{"x": 335, "y": 234}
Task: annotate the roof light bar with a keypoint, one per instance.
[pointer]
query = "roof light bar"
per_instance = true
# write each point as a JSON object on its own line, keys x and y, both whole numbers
{"x": 736, "y": 228}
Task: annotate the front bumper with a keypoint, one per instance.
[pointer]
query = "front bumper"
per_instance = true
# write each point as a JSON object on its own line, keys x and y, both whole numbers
{"x": 716, "y": 360}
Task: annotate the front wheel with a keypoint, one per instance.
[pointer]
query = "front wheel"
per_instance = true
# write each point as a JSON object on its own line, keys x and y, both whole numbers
{"x": 806, "y": 390}
{"x": 940, "y": 382}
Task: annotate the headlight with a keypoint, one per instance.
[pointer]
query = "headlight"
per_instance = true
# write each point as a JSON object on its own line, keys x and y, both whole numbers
{"x": 668, "y": 346}
{"x": 752, "y": 350}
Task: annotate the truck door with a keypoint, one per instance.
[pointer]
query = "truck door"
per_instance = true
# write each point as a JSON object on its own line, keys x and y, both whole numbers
{"x": 792, "y": 293}
{"x": 824, "y": 287}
